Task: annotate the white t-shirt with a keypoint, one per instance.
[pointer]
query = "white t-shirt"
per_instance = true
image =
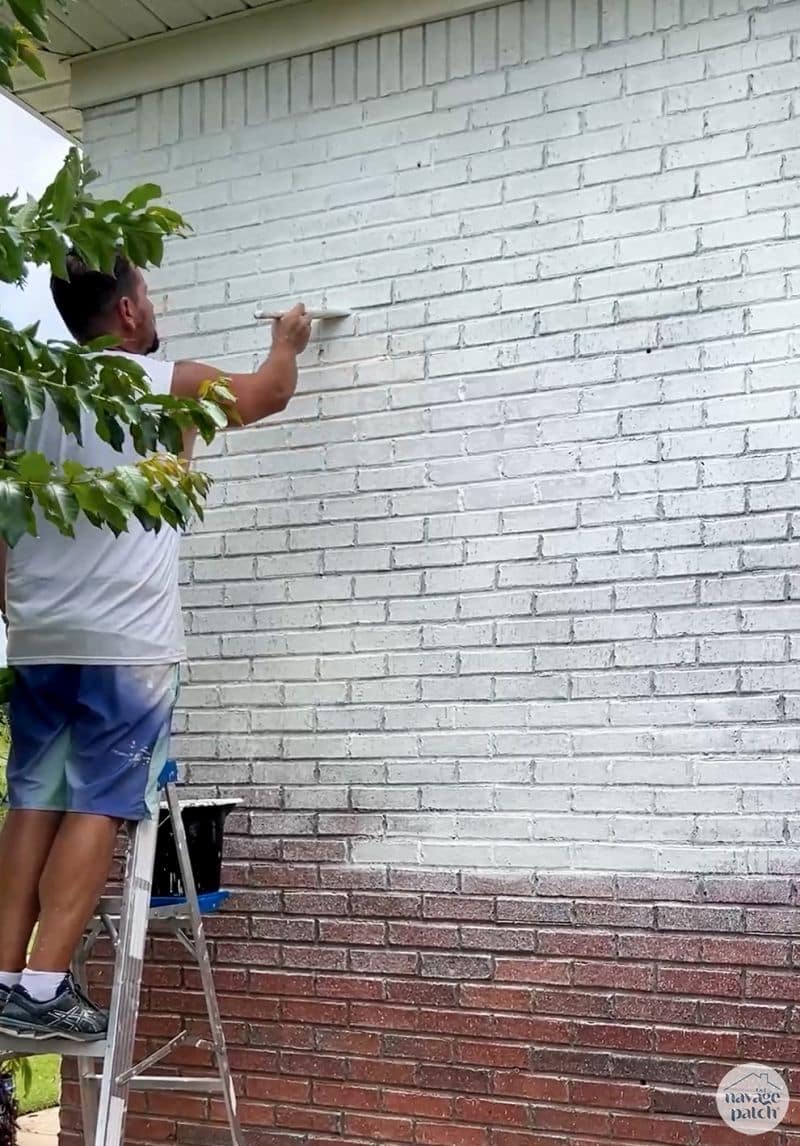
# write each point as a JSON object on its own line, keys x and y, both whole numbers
{"x": 94, "y": 598}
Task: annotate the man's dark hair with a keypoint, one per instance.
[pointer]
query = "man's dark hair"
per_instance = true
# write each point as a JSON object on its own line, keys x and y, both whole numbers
{"x": 87, "y": 298}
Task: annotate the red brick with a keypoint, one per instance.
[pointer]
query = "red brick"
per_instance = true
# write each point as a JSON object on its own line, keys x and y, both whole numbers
{"x": 320, "y": 958}
{"x": 560, "y": 1002}
{"x": 652, "y": 1069}
{"x": 312, "y": 1065}
{"x": 384, "y": 962}
{"x": 566, "y": 942}
{"x": 659, "y": 887}
{"x": 489, "y": 883}
{"x": 459, "y": 1078}
{"x": 506, "y": 938}
{"x": 698, "y": 917}
{"x": 518, "y": 910}
{"x": 386, "y": 905}
{"x": 746, "y": 1016}
{"x": 314, "y": 851}
{"x": 628, "y": 976}
{"x": 414, "y": 991}
{"x": 492, "y": 1053}
{"x": 668, "y": 948}
{"x": 349, "y": 1041}
{"x": 423, "y": 934}
{"x": 184, "y": 1106}
{"x": 421, "y": 879}
{"x": 691, "y": 1101}
{"x": 278, "y": 1088}
{"x": 457, "y": 907}
{"x": 764, "y": 985}
{"x": 417, "y": 1048}
{"x": 314, "y": 1011}
{"x": 256, "y": 1113}
{"x": 439, "y": 1134}
{"x": 246, "y": 954}
{"x": 379, "y": 1070}
{"x": 748, "y": 889}
{"x": 390, "y": 1018}
{"x": 379, "y": 1127}
{"x": 614, "y": 1095}
{"x": 532, "y": 970}
{"x": 280, "y": 983}
{"x": 533, "y": 1138}
{"x": 699, "y": 981}
{"x": 721, "y": 1044}
{"x": 150, "y": 1129}
{"x": 349, "y": 987}
{"x": 456, "y": 966}
{"x": 248, "y": 1059}
{"x": 743, "y": 949}
{"x": 474, "y": 1023}
{"x": 307, "y": 1118}
{"x": 291, "y": 930}
{"x": 359, "y": 878}
{"x": 576, "y": 886}
{"x": 357, "y": 931}
{"x": 491, "y": 1111}
{"x": 492, "y": 998}
{"x": 247, "y": 1007}
{"x": 316, "y": 902}
{"x": 655, "y": 1008}
{"x": 773, "y": 920}
{"x": 418, "y": 1103}
{"x": 281, "y": 875}
{"x": 344, "y": 1096}
{"x": 642, "y": 1129}
{"x": 535, "y": 1086}
{"x": 571, "y": 1120}
{"x": 616, "y": 915}
{"x": 617, "y": 1036}
{"x": 290, "y": 1035}
{"x": 770, "y": 1048}
{"x": 540, "y": 1029}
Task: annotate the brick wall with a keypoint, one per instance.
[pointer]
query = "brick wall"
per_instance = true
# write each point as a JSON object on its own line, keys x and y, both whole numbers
{"x": 511, "y": 585}
{"x": 513, "y": 581}
{"x": 479, "y": 1011}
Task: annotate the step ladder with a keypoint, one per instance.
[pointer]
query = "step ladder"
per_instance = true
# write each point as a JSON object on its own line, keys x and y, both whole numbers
{"x": 127, "y": 920}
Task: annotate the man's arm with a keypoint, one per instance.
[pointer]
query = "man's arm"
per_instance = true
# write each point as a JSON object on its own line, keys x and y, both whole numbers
{"x": 270, "y": 388}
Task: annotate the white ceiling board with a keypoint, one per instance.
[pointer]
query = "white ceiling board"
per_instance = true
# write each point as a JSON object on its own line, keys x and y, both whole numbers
{"x": 63, "y": 41}
{"x": 131, "y": 17}
{"x": 93, "y": 26}
{"x": 175, "y": 13}
{"x": 211, "y": 9}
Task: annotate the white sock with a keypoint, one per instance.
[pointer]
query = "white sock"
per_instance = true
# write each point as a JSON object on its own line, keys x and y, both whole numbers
{"x": 10, "y": 978}
{"x": 42, "y": 985}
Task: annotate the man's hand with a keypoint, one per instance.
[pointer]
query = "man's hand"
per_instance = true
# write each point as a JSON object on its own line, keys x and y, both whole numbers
{"x": 269, "y": 389}
{"x": 293, "y": 328}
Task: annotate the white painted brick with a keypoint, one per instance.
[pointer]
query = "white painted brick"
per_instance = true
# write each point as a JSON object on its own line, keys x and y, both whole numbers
{"x": 545, "y": 481}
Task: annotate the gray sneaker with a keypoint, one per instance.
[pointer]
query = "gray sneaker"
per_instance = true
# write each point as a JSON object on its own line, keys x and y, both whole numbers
{"x": 70, "y": 1015}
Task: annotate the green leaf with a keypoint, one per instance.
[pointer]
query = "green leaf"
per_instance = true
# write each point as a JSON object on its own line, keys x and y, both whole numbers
{"x": 14, "y": 406}
{"x": 31, "y": 14}
{"x": 16, "y": 515}
{"x": 140, "y": 196}
{"x": 134, "y": 483}
{"x": 34, "y": 468}
{"x": 31, "y": 60}
{"x": 7, "y": 679}
{"x": 60, "y": 506}
{"x": 69, "y": 412}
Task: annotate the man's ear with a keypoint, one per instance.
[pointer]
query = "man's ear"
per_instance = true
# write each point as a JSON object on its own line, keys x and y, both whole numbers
{"x": 127, "y": 313}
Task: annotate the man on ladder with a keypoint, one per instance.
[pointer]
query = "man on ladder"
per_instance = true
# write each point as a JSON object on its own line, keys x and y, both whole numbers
{"x": 95, "y": 637}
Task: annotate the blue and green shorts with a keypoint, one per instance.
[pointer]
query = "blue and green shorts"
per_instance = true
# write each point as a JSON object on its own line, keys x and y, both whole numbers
{"x": 90, "y": 738}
